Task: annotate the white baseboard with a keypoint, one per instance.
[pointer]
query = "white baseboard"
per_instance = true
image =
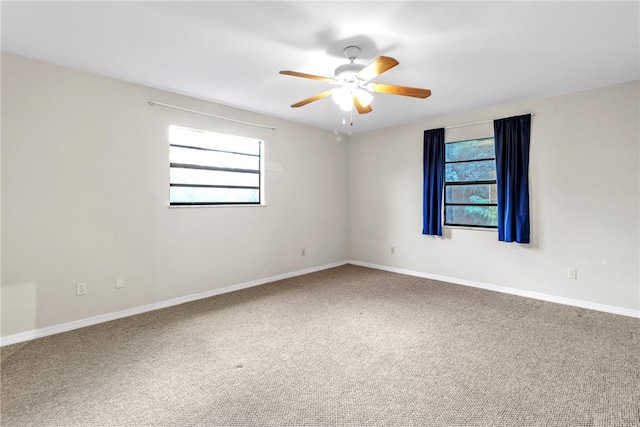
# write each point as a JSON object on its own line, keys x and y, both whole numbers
{"x": 535, "y": 295}
{"x": 51, "y": 330}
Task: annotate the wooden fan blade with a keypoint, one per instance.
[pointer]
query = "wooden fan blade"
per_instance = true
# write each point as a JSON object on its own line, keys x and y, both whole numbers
{"x": 307, "y": 76}
{"x": 400, "y": 90}
{"x": 377, "y": 67}
{"x": 361, "y": 108}
{"x": 313, "y": 98}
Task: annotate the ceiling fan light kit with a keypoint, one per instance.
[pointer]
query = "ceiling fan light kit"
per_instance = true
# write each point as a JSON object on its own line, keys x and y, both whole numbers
{"x": 355, "y": 83}
{"x": 344, "y": 97}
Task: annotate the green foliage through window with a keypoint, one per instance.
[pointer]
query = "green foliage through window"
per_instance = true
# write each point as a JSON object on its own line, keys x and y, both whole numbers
{"x": 470, "y": 184}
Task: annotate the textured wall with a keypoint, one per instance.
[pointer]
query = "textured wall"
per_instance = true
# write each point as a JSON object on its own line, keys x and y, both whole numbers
{"x": 85, "y": 198}
{"x": 584, "y": 198}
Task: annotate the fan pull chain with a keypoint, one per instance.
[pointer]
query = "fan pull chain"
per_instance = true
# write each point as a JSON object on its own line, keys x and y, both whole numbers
{"x": 344, "y": 119}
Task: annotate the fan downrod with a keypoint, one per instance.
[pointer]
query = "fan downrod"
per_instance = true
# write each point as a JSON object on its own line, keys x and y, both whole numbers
{"x": 347, "y": 72}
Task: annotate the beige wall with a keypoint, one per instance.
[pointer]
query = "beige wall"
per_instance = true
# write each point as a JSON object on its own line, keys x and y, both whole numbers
{"x": 85, "y": 194}
{"x": 584, "y": 191}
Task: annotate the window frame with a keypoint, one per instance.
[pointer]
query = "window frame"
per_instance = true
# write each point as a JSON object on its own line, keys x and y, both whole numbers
{"x": 467, "y": 183}
{"x": 260, "y": 171}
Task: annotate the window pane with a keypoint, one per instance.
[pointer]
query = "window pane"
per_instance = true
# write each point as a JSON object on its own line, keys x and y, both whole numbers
{"x": 214, "y": 141}
{"x": 206, "y": 177}
{"x": 213, "y": 158}
{"x": 475, "y": 193}
{"x": 470, "y": 150}
{"x": 240, "y": 160}
{"x": 213, "y": 195}
{"x": 472, "y": 171}
{"x": 472, "y": 215}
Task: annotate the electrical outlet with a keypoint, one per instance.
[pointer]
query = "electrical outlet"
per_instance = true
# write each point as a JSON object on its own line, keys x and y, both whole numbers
{"x": 303, "y": 252}
{"x": 81, "y": 288}
{"x": 572, "y": 273}
{"x": 119, "y": 282}
{"x": 393, "y": 250}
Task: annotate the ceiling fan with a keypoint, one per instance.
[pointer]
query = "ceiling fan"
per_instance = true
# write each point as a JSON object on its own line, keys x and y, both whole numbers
{"x": 355, "y": 83}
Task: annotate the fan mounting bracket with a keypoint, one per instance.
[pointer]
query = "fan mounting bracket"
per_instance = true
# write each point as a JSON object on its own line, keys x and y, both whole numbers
{"x": 351, "y": 52}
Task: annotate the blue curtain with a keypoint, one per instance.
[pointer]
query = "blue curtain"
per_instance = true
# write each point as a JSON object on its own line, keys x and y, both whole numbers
{"x": 512, "y": 138}
{"x": 433, "y": 162}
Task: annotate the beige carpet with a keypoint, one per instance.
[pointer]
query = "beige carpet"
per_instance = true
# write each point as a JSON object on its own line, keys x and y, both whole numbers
{"x": 349, "y": 346}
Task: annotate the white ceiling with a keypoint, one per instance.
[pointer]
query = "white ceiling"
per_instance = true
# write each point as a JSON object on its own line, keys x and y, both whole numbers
{"x": 470, "y": 54}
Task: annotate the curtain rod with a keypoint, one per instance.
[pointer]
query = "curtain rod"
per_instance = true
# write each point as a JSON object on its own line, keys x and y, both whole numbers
{"x": 480, "y": 123}
{"x": 152, "y": 103}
